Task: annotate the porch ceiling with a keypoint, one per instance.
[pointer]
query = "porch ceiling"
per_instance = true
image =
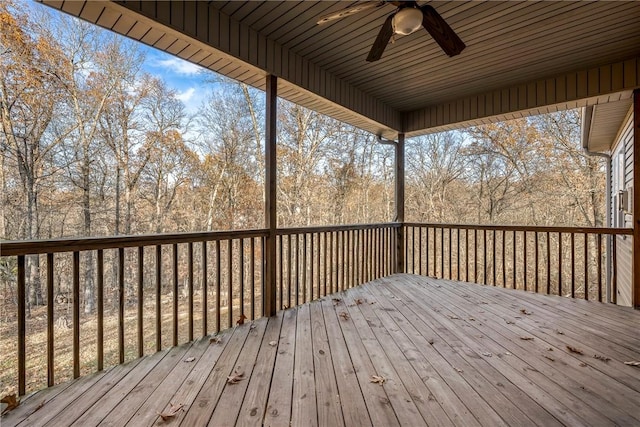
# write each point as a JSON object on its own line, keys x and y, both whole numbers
{"x": 521, "y": 57}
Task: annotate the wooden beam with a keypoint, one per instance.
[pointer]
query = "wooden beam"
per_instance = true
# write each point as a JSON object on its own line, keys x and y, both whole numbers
{"x": 635, "y": 290}
{"x": 399, "y": 201}
{"x": 269, "y": 280}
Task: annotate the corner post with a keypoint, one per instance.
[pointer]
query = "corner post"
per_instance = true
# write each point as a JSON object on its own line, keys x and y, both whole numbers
{"x": 269, "y": 256}
{"x": 399, "y": 202}
{"x": 635, "y": 290}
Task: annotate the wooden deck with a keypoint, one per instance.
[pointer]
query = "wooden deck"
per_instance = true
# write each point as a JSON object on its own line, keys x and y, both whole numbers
{"x": 450, "y": 353}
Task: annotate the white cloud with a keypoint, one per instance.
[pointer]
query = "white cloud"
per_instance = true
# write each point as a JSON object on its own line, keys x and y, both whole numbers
{"x": 186, "y": 95}
{"x": 178, "y": 66}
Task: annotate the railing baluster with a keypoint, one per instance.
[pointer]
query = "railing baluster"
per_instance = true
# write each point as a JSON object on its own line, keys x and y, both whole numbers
{"x": 297, "y": 265}
{"x": 311, "y": 265}
{"x": 252, "y": 274}
{"x": 475, "y": 255}
{"x": 493, "y": 248}
{"x": 324, "y": 262}
{"x": 504, "y": 258}
{"x": 120, "y": 305}
{"x": 442, "y": 252}
{"x": 50, "y": 331}
{"x": 241, "y": 261}
{"x": 535, "y": 260}
{"x": 175, "y": 294}
{"x": 573, "y": 266}
{"x": 219, "y": 284}
{"x": 484, "y": 259}
{"x": 560, "y": 263}
{"x": 140, "y": 301}
{"x": 289, "y": 272}
{"x": 230, "y": 283}
{"x": 204, "y": 291}
{"x": 614, "y": 273}
{"x": 599, "y": 261}
{"x": 514, "y": 247}
{"x": 466, "y": 254}
{"x": 548, "y": 263}
{"x": 317, "y": 258}
{"x": 457, "y": 254}
{"x": 158, "y": 298}
{"x": 304, "y": 268}
{"x": 524, "y": 242}
{"x": 420, "y": 251}
{"x": 450, "y": 253}
{"x": 280, "y": 252}
{"x": 22, "y": 326}
{"x": 190, "y": 290}
{"x": 586, "y": 266}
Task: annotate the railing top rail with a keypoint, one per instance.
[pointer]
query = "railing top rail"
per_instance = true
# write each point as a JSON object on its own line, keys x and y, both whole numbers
{"x": 532, "y": 228}
{"x": 329, "y": 228}
{"x": 34, "y": 247}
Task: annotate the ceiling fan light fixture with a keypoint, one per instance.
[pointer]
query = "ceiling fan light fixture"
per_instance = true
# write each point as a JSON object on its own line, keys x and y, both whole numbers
{"x": 408, "y": 20}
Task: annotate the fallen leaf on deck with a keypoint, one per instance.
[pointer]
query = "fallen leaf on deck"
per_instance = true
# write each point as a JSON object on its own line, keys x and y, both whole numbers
{"x": 633, "y": 363}
{"x": 483, "y": 302}
{"x": 559, "y": 332}
{"x": 252, "y": 326}
{"x": 360, "y": 301}
{"x": 526, "y": 338}
{"x": 524, "y": 311}
{"x": 574, "y": 350}
{"x": 236, "y": 377}
{"x": 40, "y": 405}
{"x": 458, "y": 370}
{"x": 372, "y": 302}
{"x": 273, "y": 343}
{"x": 172, "y": 412}
{"x": 215, "y": 340}
{"x": 378, "y": 379}
{"x": 9, "y": 402}
{"x": 472, "y": 319}
{"x": 189, "y": 359}
{"x": 337, "y": 301}
{"x": 549, "y": 348}
{"x": 550, "y": 358}
{"x": 344, "y": 315}
{"x": 430, "y": 341}
{"x": 453, "y": 317}
{"x": 582, "y": 364}
{"x": 241, "y": 319}
{"x": 510, "y": 322}
{"x": 603, "y": 358}
{"x": 487, "y": 354}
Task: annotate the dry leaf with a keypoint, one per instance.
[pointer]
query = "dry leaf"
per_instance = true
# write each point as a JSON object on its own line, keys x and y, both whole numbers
{"x": 215, "y": 340}
{"x": 524, "y": 311}
{"x": 189, "y": 359}
{"x": 526, "y": 338}
{"x": 582, "y": 364}
{"x": 9, "y": 403}
{"x": 510, "y": 322}
{"x": 472, "y": 319}
{"x": 549, "y": 348}
{"x": 236, "y": 377}
{"x": 454, "y": 317}
{"x": 252, "y": 326}
{"x": 430, "y": 341}
{"x": 559, "y": 332}
{"x": 603, "y": 358}
{"x": 378, "y": 379}
{"x": 487, "y": 354}
{"x": 632, "y": 363}
{"x": 241, "y": 319}
{"x": 360, "y": 301}
{"x": 172, "y": 412}
{"x": 574, "y": 350}
{"x": 458, "y": 370}
{"x": 273, "y": 343}
{"x": 344, "y": 315}
{"x": 337, "y": 301}
{"x": 550, "y": 358}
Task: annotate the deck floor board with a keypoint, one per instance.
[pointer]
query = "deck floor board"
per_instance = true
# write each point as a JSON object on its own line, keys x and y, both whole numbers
{"x": 451, "y": 353}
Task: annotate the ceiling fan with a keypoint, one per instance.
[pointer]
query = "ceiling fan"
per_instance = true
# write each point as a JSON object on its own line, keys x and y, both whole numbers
{"x": 407, "y": 19}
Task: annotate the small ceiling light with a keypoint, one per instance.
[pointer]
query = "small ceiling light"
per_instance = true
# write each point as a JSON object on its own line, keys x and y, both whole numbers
{"x": 408, "y": 20}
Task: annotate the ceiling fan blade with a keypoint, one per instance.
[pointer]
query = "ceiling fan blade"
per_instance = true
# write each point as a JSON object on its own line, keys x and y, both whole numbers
{"x": 382, "y": 40}
{"x": 441, "y": 31}
{"x": 356, "y": 8}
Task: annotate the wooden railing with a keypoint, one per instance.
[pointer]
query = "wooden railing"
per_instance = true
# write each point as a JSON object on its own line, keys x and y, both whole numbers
{"x": 209, "y": 281}
{"x": 554, "y": 260}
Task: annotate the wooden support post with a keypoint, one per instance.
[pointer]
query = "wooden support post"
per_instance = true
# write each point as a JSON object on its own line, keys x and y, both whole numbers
{"x": 269, "y": 281}
{"x": 635, "y": 290}
{"x": 399, "y": 202}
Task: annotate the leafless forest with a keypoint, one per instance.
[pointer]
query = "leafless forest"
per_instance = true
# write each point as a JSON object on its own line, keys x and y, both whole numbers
{"x": 91, "y": 145}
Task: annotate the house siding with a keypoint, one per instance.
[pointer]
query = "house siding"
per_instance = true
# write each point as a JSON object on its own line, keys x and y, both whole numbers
{"x": 622, "y": 179}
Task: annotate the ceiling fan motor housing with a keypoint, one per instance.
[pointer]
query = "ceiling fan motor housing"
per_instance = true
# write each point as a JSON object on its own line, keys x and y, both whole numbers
{"x": 407, "y": 21}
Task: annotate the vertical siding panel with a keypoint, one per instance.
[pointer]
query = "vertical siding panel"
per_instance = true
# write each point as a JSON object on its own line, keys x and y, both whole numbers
{"x": 149, "y": 9}
{"x": 581, "y": 84}
{"x": 223, "y": 41}
{"x": 481, "y": 105}
{"x": 163, "y": 12}
{"x": 630, "y": 73}
{"x": 445, "y": 113}
{"x": 202, "y": 17}
{"x": 561, "y": 89}
{"x": 522, "y": 97}
{"x": 504, "y": 100}
{"x": 541, "y": 93}
{"x": 617, "y": 76}
{"x": 605, "y": 78}
{"x": 467, "y": 109}
{"x": 593, "y": 81}
{"x": 571, "y": 87}
{"x": 513, "y": 99}
{"x": 550, "y": 88}
{"x": 234, "y": 37}
{"x": 433, "y": 117}
{"x": 531, "y": 95}
{"x": 473, "y": 103}
{"x": 177, "y": 14}
{"x": 253, "y": 47}
{"x": 459, "y": 110}
{"x": 214, "y": 26}
{"x": 189, "y": 18}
